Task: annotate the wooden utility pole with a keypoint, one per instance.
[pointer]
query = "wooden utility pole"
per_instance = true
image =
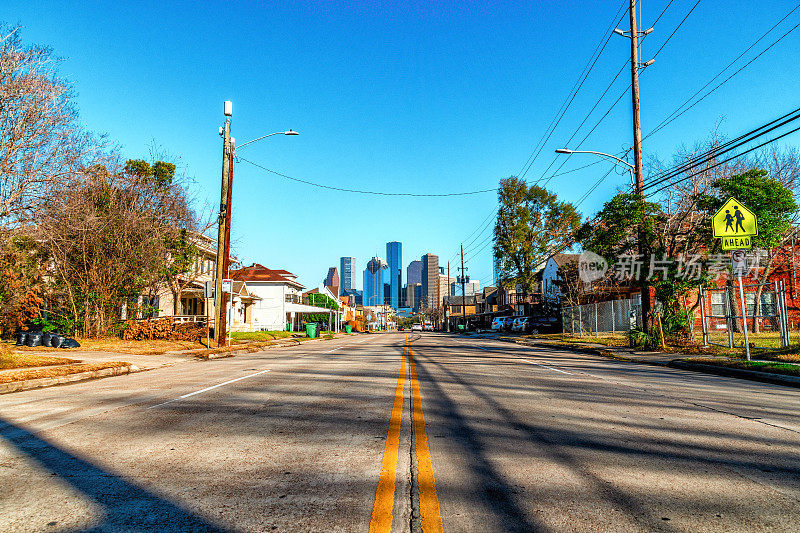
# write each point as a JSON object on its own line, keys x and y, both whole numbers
{"x": 223, "y": 325}
{"x": 447, "y": 307}
{"x": 222, "y": 232}
{"x": 637, "y": 157}
{"x": 463, "y": 289}
{"x": 637, "y": 126}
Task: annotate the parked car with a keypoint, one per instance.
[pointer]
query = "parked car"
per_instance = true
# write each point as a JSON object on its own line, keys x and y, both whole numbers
{"x": 416, "y": 327}
{"x": 502, "y": 323}
{"x": 427, "y": 327}
{"x": 521, "y": 324}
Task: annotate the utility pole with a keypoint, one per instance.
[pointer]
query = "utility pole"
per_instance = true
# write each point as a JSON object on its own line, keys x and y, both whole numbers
{"x": 637, "y": 150}
{"x": 637, "y": 126}
{"x": 447, "y": 308}
{"x": 463, "y": 289}
{"x": 223, "y": 224}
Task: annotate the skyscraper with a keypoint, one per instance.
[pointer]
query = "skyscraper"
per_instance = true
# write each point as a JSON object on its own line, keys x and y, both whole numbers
{"x": 430, "y": 281}
{"x": 394, "y": 256}
{"x": 332, "y": 280}
{"x": 374, "y": 279}
{"x": 414, "y": 272}
{"x": 347, "y": 271}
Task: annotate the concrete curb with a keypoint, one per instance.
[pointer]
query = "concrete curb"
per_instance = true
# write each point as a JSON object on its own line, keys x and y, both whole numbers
{"x": 39, "y": 383}
{"x": 244, "y": 350}
{"x": 752, "y": 375}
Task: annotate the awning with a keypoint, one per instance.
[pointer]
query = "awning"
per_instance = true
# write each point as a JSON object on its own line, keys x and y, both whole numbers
{"x": 302, "y": 308}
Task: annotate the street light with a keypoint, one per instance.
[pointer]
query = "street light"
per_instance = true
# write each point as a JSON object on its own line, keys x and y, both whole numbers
{"x": 616, "y": 160}
{"x": 224, "y": 233}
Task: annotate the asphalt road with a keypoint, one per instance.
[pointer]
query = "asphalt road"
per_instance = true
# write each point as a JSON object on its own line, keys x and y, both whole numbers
{"x": 403, "y": 432}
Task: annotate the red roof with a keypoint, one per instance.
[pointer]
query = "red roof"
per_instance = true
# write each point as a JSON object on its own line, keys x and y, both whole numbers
{"x": 256, "y": 272}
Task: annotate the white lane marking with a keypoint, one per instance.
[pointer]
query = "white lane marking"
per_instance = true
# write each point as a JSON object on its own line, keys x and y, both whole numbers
{"x": 208, "y": 389}
{"x": 547, "y": 367}
{"x": 329, "y": 351}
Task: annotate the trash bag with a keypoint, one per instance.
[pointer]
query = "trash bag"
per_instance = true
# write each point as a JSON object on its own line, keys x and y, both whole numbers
{"x": 56, "y": 340}
{"x": 34, "y": 339}
{"x": 70, "y": 343}
{"x": 22, "y": 337}
{"x": 46, "y": 336}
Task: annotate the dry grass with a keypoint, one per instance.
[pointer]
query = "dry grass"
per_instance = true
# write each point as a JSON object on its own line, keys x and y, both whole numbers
{"x": 9, "y": 360}
{"x": 116, "y": 345}
{"x": 37, "y": 373}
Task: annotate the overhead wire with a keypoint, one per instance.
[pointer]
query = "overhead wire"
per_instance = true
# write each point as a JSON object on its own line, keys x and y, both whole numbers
{"x": 593, "y": 58}
{"x": 361, "y": 191}
{"x": 679, "y": 112}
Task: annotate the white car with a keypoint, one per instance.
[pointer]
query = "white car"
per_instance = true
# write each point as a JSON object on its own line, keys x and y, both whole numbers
{"x": 416, "y": 327}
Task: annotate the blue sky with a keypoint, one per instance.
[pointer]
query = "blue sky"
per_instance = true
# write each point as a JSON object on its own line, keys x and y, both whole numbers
{"x": 424, "y": 97}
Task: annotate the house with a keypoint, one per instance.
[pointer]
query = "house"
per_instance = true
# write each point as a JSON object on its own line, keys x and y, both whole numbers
{"x": 280, "y": 305}
{"x": 184, "y": 298}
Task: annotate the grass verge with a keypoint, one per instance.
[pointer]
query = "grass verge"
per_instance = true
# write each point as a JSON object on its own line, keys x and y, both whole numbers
{"x": 10, "y": 360}
{"x": 37, "y": 373}
{"x": 786, "y": 369}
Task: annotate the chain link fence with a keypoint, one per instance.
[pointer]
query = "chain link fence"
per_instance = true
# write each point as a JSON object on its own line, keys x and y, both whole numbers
{"x": 765, "y": 314}
{"x": 613, "y": 316}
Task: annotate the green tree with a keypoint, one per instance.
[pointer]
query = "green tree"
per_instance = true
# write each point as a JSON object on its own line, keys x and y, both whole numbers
{"x": 630, "y": 226}
{"x": 531, "y": 225}
{"x": 775, "y": 208}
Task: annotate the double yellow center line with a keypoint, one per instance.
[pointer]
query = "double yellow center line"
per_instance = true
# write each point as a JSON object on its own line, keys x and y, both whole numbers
{"x": 430, "y": 516}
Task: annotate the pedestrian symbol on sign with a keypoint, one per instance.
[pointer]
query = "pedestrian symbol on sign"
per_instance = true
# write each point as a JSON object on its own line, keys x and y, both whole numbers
{"x": 735, "y": 225}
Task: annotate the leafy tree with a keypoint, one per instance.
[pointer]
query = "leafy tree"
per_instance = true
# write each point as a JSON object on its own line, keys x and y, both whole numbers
{"x": 628, "y": 225}
{"x": 775, "y": 208}
{"x": 531, "y": 225}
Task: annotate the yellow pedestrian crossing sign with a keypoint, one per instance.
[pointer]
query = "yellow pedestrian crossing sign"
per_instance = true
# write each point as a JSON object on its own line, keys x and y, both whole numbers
{"x": 735, "y": 225}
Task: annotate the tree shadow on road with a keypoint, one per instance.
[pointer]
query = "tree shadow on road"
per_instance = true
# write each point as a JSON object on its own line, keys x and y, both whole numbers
{"x": 125, "y": 506}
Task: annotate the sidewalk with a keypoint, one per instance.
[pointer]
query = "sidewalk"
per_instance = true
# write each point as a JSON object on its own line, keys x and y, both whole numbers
{"x": 669, "y": 359}
{"x": 93, "y": 364}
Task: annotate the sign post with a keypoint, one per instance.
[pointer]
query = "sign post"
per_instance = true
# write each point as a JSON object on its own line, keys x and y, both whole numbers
{"x": 736, "y": 226}
{"x": 739, "y": 262}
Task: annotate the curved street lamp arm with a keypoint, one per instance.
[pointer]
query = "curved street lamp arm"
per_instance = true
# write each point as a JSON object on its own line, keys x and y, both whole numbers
{"x": 259, "y": 138}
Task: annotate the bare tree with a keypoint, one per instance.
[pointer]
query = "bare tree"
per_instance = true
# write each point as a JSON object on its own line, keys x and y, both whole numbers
{"x": 41, "y": 142}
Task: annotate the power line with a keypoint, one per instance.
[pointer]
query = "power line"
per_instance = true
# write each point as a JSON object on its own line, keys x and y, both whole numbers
{"x": 573, "y": 93}
{"x": 724, "y": 148}
{"x": 677, "y": 113}
{"x": 671, "y": 184}
{"x": 360, "y": 191}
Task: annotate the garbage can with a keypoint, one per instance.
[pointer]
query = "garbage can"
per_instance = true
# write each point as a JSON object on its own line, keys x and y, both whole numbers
{"x": 311, "y": 329}
{"x": 461, "y": 327}
{"x": 348, "y": 328}
{"x": 289, "y": 326}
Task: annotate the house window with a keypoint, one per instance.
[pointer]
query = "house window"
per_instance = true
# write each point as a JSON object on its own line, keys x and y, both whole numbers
{"x": 717, "y": 304}
{"x": 767, "y": 304}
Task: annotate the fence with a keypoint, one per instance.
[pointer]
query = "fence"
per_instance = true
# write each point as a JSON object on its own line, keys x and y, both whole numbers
{"x": 765, "y": 312}
{"x": 613, "y": 316}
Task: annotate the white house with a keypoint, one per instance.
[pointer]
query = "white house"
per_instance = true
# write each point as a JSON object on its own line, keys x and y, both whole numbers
{"x": 280, "y": 298}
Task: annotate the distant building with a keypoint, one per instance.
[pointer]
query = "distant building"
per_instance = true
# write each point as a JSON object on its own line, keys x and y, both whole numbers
{"x": 413, "y": 291}
{"x": 332, "y": 281}
{"x": 445, "y": 282}
{"x": 414, "y": 272}
{"x": 394, "y": 256}
{"x": 374, "y": 280}
{"x": 356, "y": 297}
{"x": 347, "y": 270}
{"x": 417, "y": 296}
{"x": 430, "y": 280}
{"x": 471, "y": 287}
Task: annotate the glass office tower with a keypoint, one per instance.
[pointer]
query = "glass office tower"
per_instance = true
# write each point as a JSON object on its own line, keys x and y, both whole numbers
{"x": 347, "y": 273}
{"x": 394, "y": 256}
{"x": 374, "y": 279}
